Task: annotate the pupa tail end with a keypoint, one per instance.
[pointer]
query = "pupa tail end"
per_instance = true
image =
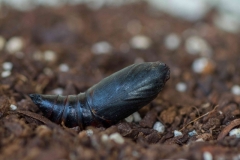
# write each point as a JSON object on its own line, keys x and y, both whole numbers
{"x": 36, "y": 98}
{"x": 44, "y": 102}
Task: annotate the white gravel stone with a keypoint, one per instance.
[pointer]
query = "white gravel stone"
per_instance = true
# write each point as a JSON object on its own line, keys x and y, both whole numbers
{"x": 172, "y": 41}
{"x": 200, "y": 140}
{"x": 52, "y": 3}
{"x": 192, "y": 133}
{"x": 95, "y": 5}
{"x": 117, "y": 138}
{"x": 181, "y": 87}
{"x": 227, "y": 22}
{"x": 200, "y": 64}
{"x": 22, "y": 5}
{"x": 158, "y": 126}
{"x": 89, "y": 132}
{"x": 207, "y": 156}
{"x": 206, "y": 105}
{"x": 104, "y": 138}
{"x": 14, "y": 44}
{"x": 129, "y": 118}
{"x": 196, "y": 45}
{"x": 25, "y": 5}
{"x": 102, "y": 47}
{"x": 2, "y": 42}
{"x": 235, "y": 132}
{"x": 140, "y": 42}
{"x": 230, "y": 6}
{"x": 7, "y": 66}
{"x": 235, "y": 90}
{"x": 183, "y": 8}
{"x": 58, "y": 91}
{"x": 63, "y": 67}
{"x": 177, "y": 133}
{"x": 5, "y": 74}
{"x": 136, "y": 117}
{"x": 50, "y": 55}
{"x": 48, "y": 71}
{"x": 13, "y": 107}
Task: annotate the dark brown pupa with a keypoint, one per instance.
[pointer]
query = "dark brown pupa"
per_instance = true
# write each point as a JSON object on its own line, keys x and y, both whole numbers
{"x": 112, "y": 99}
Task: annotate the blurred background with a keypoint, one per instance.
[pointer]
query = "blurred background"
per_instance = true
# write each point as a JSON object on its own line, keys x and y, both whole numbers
{"x": 226, "y": 18}
{"x": 66, "y": 41}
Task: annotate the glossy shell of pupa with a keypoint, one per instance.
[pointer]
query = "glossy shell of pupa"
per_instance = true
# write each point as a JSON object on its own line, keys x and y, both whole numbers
{"x": 112, "y": 99}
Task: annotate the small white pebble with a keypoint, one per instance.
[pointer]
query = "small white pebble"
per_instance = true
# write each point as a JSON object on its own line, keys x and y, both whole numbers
{"x": 196, "y": 45}
{"x": 7, "y": 66}
{"x": 200, "y": 140}
{"x": 235, "y": 132}
{"x": 235, "y": 90}
{"x": 207, "y": 156}
{"x": 89, "y": 132}
{"x": 177, "y": 133}
{"x": 58, "y": 91}
{"x": 136, "y": 117}
{"x": 2, "y": 42}
{"x": 48, "y": 71}
{"x": 14, "y": 44}
{"x": 50, "y": 55}
{"x": 204, "y": 65}
{"x": 193, "y": 45}
{"x": 181, "y": 87}
{"x": 13, "y": 107}
{"x": 199, "y": 65}
{"x": 192, "y": 133}
{"x": 64, "y": 67}
{"x": 92, "y": 6}
{"x": 117, "y": 138}
{"x": 220, "y": 112}
{"x": 101, "y": 48}
{"x": 5, "y": 74}
{"x": 206, "y": 105}
{"x": 104, "y": 138}
{"x": 172, "y": 41}
{"x": 140, "y": 42}
{"x": 158, "y": 126}
{"x": 227, "y": 22}
{"x": 183, "y": 9}
{"x": 129, "y": 118}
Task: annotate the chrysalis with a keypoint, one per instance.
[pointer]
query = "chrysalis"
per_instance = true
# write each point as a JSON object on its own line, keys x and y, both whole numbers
{"x": 112, "y": 99}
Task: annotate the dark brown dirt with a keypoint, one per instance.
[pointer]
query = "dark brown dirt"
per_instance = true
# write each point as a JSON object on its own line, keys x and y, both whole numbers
{"x": 207, "y": 106}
